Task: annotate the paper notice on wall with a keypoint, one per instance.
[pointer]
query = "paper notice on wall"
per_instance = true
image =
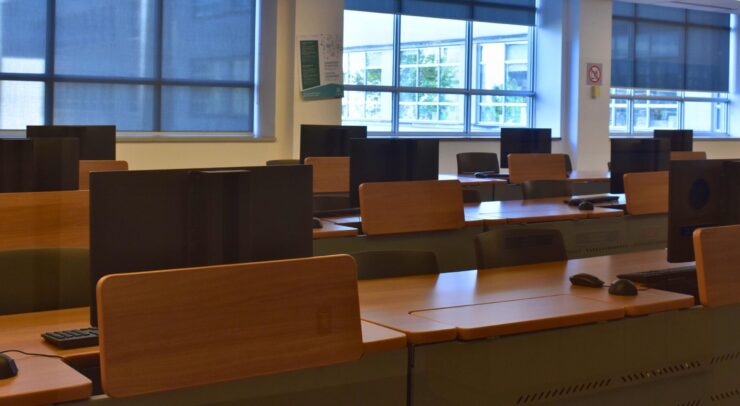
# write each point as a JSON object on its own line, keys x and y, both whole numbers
{"x": 321, "y": 66}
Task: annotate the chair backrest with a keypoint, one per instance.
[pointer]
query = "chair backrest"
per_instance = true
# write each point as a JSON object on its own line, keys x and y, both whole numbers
{"x": 277, "y": 162}
{"x": 45, "y": 220}
{"x": 568, "y": 164}
{"x": 220, "y": 323}
{"x": 330, "y": 174}
{"x": 539, "y": 189}
{"x": 524, "y": 167}
{"x": 469, "y": 162}
{"x": 518, "y": 246}
{"x": 35, "y": 280}
{"x": 98, "y": 166}
{"x": 717, "y": 256}
{"x": 406, "y": 207}
{"x": 388, "y": 264}
{"x": 688, "y": 155}
{"x": 646, "y": 192}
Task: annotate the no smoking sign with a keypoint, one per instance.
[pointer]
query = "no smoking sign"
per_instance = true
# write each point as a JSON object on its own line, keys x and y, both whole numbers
{"x": 593, "y": 74}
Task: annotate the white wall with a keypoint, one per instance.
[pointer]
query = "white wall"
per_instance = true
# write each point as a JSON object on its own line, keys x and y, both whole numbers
{"x": 581, "y": 27}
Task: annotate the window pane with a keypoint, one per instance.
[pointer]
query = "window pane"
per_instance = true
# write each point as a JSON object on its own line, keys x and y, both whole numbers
{"x": 433, "y": 52}
{"x": 208, "y": 39}
{"x": 619, "y": 115}
{"x": 656, "y": 114}
{"x": 129, "y": 107}
{"x": 490, "y": 113}
{"x": 206, "y": 109}
{"x": 371, "y": 109}
{"x": 419, "y": 112}
{"x": 368, "y": 48}
{"x": 105, "y": 38}
{"x": 21, "y": 104}
{"x": 659, "y": 56}
{"x": 23, "y": 36}
{"x": 501, "y": 53}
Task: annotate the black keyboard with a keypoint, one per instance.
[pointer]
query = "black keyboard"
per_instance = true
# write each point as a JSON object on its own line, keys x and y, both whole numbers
{"x": 490, "y": 174}
{"x": 68, "y": 339}
{"x": 592, "y": 199}
{"x": 662, "y": 275}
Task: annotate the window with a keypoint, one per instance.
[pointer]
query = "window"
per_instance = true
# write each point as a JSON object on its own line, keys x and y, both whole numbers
{"x": 642, "y": 111}
{"x": 415, "y": 75}
{"x": 145, "y": 66}
{"x": 670, "y": 69}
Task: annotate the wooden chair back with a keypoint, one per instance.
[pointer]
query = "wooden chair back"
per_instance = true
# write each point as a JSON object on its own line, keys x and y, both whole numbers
{"x": 646, "y": 192}
{"x": 330, "y": 174}
{"x": 688, "y": 155}
{"x": 406, "y": 207}
{"x": 227, "y": 322}
{"x": 45, "y": 220}
{"x": 717, "y": 256}
{"x": 524, "y": 167}
{"x": 98, "y": 166}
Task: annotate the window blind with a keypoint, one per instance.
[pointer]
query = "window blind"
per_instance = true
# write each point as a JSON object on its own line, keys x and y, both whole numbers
{"x": 520, "y": 12}
{"x": 670, "y": 48}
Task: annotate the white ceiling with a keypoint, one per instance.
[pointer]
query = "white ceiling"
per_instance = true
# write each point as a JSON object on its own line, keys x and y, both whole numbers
{"x": 708, "y": 5}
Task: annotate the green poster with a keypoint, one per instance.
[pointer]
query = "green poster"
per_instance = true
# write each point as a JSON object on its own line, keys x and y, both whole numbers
{"x": 321, "y": 67}
{"x": 310, "y": 70}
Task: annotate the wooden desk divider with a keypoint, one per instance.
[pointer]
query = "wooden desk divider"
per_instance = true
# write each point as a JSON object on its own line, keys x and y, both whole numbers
{"x": 414, "y": 206}
{"x": 45, "y": 220}
{"x": 646, "y": 192}
{"x": 717, "y": 257}
{"x": 330, "y": 174}
{"x": 98, "y": 166}
{"x": 524, "y": 167}
{"x": 688, "y": 155}
{"x": 171, "y": 329}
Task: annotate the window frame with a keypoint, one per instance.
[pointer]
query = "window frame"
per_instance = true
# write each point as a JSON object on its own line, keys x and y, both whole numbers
{"x": 467, "y": 91}
{"x": 680, "y": 99}
{"x": 158, "y": 82}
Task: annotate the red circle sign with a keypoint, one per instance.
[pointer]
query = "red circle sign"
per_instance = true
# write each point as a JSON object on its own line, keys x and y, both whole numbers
{"x": 594, "y": 74}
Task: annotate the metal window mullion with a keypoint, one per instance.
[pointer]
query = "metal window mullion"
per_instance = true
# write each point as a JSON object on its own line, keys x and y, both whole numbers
{"x": 468, "y": 97}
{"x": 396, "y": 95}
{"x": 158, "y": 68}
{"x": 50, "y": 70}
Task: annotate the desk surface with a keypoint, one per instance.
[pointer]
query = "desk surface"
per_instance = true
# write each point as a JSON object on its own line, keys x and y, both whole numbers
{"x": 575, "y": 176}
{"x": 395, "y": 302}
{"x": 534, "y": 210}
{"x": 45, "y": 380}
{"x": 333, "y": 230}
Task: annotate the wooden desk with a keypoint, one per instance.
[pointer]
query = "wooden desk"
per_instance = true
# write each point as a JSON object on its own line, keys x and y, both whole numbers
{"x": 575, "y": 176}
{"x": 534, "y": 210}
{"x": 589, "y": 176}
{"x": 469, "y": 180}
{"x": 333, "y": 230}
{"x": 393, "y": 302}
{"x": 45, "y": 380}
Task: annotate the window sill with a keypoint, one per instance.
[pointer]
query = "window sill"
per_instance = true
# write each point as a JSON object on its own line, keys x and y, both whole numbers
{"x": 441, "y": 137}
{"x": 190, "y": 137}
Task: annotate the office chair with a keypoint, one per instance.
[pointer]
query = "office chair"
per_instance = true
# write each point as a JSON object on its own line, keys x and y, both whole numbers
{"x": 469, "y": 162}
{"x": 540, "y": 189}
{"x": 511, "y": 247}
{"x": 277, "y": 162}
{"x": 388, "y": 264}
{"x": 35, "y": 280}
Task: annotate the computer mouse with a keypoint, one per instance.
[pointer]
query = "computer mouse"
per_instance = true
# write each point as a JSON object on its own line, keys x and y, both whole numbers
{"x": 8, "y": 369}
{"x": 587, "y": 280}
{"x": 623, "y": 287}
{"x": 316, "y": 223}
{"x": 585, "y": 206}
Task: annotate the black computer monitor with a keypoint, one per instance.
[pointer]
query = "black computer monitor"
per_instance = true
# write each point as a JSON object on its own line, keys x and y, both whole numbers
{"x": 164, "y": 219}
{"x": 328, "y": 140}
{"x": 97, "y": 142}
{"x": 524, "y": 141}
{"x": 388, "y": 160}
{"x": 16, "y": 165}
{"x": 680, "y": 140}
{"x": 636, "y": 155}
{"x": 702, "y": 193}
